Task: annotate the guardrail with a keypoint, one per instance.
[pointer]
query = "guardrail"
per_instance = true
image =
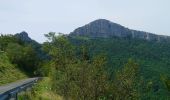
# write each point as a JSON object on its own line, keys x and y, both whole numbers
{"x": 10, "y": 91}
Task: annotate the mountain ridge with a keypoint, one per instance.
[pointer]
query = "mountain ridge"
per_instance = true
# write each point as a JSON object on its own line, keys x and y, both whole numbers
{"x": 105, "y": 28}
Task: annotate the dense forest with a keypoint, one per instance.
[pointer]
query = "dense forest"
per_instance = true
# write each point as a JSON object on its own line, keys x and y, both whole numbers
{"x": 84, "y": 68}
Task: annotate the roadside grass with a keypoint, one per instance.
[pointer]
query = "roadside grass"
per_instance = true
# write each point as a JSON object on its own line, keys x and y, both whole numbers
{"x": 40, "y": 91}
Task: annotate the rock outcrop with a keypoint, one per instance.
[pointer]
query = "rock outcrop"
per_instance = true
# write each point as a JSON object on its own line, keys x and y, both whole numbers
{"x": 107, "y": 29}
{"x": 24, "y": 36}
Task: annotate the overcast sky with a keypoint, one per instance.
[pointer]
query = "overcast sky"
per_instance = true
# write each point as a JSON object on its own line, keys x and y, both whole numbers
{"x": 38, "y": 17}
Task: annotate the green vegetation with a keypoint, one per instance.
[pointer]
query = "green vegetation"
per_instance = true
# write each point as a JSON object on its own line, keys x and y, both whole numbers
{"x": 77, "y": 78}
{"x": 152, "y": 58}
{"x": 40, "y": 91}
{"x": 126, "y": 82}
{"x": 80, "y": 72}
{"x": 8, "y": 72}
{"x": 82, "y": 68}
{"x": 18, "y": 59}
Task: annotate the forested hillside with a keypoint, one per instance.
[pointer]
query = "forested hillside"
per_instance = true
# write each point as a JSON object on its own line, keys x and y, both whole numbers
{"x": 152, "y": 58}
{"x": 88, "y": 68}
{"x": 85, "y": 68}
{"x": 18, "y": 59}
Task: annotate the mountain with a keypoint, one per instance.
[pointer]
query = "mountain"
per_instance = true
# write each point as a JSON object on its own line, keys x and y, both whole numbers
{"x": 105, "y": 28}
{"x": 24, "y": 36}
{"x": 119, "y": 44}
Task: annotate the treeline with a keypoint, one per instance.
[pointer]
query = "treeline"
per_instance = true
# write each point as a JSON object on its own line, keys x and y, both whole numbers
{"x": 99, "y": 69}
{"x": 78, "y": 74}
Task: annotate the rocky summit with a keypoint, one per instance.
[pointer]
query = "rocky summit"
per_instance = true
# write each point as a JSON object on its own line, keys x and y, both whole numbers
{"x": 106, "y": 29}
{"x": 23, "y": 36}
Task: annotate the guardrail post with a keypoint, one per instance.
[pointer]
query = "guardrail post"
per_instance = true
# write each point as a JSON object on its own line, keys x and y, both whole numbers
{"x": 16, "y": 96}
{"x": 13, "y": 97}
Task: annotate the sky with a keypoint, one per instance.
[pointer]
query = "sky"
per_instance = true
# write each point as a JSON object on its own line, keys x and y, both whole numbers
{"x": 39, "y": 17}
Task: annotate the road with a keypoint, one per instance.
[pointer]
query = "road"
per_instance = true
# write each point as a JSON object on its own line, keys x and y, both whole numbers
{"x": 16, "y": 87}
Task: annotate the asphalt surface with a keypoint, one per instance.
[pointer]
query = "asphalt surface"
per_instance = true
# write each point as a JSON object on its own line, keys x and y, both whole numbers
{"x": 11, "y": 86}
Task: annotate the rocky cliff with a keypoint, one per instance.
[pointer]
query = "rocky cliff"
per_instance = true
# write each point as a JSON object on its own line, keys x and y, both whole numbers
{"x": 107, "y": 29}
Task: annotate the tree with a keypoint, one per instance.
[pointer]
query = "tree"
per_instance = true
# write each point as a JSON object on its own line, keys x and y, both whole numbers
{"x": 62, "y": 54}
{"x": 23, "y": 56}
{"x": 166, "y": 81}
{"x": 125, "y": 84}
{"x": 5, "y": 40}
{"x": 75, "y": 75}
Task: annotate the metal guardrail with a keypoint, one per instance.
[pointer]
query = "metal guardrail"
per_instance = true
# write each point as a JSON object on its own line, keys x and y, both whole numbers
{"x": 10, "y": 91}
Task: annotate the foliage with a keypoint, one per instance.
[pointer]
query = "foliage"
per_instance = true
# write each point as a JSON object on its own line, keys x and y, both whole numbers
{"x": 152, "y": 57}
{"x": 126, "y": 82}
{"x": 21, "y": 54}
{"x": 79, "y": 75}
{"x": 166, "y": 82}
{"x": 82, "y": 68}
{"x": 8, "y": 72}
{"x": 44, "y": 69}
{"x": 5, "y": 39}
{"x": 40, "y": 91}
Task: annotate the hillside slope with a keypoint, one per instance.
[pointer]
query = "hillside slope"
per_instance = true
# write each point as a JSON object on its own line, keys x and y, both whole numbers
{"x": 8, "y": 72}
{"x": 152, "y": 57}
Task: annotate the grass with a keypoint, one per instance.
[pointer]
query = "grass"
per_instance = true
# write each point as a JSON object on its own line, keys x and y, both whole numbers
{"x": 8, "y": 72}
{"x": 41, "y": 91}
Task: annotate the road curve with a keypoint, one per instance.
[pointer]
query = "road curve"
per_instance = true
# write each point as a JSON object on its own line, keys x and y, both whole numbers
{"x": 16, "y": 87}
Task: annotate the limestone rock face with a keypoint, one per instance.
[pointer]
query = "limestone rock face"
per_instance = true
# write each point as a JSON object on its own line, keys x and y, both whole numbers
{"x": 106, "y": 29}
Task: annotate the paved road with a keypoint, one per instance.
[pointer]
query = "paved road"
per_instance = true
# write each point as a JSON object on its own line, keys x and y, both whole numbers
{"x": 16, "y": 87}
